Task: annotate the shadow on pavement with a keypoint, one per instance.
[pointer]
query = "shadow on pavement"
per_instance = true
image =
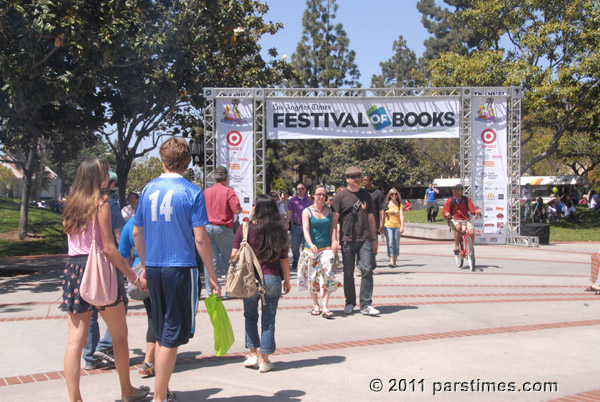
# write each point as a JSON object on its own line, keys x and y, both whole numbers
{"x": 200, "y": 395}
{"x": 305, "y": 363}
{"x": 394, "y": 309}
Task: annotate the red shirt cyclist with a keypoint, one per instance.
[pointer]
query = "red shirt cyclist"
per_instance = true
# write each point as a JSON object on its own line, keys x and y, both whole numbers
{"x": 456, "y": 210}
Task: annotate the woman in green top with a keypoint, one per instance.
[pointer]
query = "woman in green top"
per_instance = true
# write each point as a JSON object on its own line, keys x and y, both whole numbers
{"x": 317, "y": 262}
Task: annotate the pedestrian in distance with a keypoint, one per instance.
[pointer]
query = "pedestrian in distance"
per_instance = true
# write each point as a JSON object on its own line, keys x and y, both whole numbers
{"x": 317, "y": 261}
{"x": 353, "y": 209}
{"x": 170, "y": 222}
{"x": 267, "y": 236}
{"x": 430, "y": 202}
{"x": 221, "y": 205}
{"x": 393, "y": 224}
{"x": 87, "y": 215}
{"x": 296, "y": 205}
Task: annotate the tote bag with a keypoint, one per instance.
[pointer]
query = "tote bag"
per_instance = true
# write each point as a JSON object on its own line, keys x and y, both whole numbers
{"x": 221, "y": 325}
{"x": 99, "y": 283}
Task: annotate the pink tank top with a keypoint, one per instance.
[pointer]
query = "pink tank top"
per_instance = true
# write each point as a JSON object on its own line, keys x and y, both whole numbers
{"x": 80, "y": 244}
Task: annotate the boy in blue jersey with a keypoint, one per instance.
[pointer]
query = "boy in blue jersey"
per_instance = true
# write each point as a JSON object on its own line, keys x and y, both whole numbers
{"x": 170, "y": 220}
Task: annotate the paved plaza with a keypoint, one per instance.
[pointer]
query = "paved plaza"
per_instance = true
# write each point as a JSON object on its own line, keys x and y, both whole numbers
{"x": 521, "y": 322}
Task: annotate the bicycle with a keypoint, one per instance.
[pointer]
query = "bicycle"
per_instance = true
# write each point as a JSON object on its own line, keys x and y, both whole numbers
{"x": 467, "y": 248}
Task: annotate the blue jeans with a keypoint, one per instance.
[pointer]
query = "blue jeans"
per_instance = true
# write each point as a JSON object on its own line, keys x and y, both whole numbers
{"x": 221, "y": 242}
{"x": 297, "y": 242}
{"x": 392, "y": 237}
{"x": 93, "y": 340}
{"x": 366, "y": 265}
{"x": 266, "y": 341}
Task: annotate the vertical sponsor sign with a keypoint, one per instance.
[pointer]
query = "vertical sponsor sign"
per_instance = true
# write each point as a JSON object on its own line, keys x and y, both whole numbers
{"x": 235, "y": 148}
{"x": 490, "y": 181}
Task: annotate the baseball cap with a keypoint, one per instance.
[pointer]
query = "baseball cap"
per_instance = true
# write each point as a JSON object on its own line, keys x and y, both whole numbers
{"x": 221, "y": 169}
{"x": 458, "y": 187}
{"x": 352, "y": 170}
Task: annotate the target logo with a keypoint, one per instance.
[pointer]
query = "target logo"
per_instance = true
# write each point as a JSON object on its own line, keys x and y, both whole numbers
{"x": 488, "y": 136}
{"x": 234, "y": 138}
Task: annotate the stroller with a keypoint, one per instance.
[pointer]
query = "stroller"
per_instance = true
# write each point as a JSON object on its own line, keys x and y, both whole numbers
{"x": 539, "y": 212}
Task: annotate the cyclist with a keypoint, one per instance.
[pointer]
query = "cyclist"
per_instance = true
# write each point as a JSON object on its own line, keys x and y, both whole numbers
{"x": 456, "y": 211}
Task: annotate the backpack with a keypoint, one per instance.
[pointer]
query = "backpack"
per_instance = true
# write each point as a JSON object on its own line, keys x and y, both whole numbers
{"x": 241, "y": 277}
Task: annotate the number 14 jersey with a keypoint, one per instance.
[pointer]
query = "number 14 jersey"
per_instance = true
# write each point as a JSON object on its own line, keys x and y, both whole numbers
{"x": 168, "y": 210}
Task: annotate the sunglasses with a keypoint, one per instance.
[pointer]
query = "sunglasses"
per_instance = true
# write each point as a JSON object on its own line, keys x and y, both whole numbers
{"x": 353, "y": 176}
{"x": 300, "y": 188}
{"x": 321, "y": 195}
{"x": 394, "y": 194}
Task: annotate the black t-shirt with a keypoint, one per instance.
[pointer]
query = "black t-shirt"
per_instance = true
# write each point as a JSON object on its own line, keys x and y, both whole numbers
{"x": 377, "y": 197}
{"x": 343, "y": 204}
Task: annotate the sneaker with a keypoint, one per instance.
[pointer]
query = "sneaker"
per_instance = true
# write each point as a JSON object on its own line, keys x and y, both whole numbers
{"x": 94, "y": 365}
{"x": 348, "y": 309}
{"x": 105, "y": 354}
{"x": 251, "y": 361}
{"x": 171, "y": 396}
{"x": 369, "y": 310}
{"x": 266, "y": 367}
{"x": 147, "y": 369}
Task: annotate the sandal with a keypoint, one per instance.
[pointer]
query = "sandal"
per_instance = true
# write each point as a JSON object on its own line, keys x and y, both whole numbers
{"x": 315, "y": 312}
{"x": 327, "y": 314}
{"x": 592, "y": 288}
{"x": 141, "y": 393}
{"x": 597, "y": 292}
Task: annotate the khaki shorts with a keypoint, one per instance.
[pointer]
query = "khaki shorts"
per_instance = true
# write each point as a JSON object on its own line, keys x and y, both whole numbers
{"x": 456, "y": 221}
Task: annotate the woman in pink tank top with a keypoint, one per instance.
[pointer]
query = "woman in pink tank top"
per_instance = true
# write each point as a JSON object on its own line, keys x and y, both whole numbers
{"x": 86, "y": 210}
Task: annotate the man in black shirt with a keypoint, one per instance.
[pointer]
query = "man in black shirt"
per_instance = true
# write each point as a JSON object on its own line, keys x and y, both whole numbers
{"x": 353, "y": 209}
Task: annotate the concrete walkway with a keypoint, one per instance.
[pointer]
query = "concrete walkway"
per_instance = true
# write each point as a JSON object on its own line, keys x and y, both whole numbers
{"x": 521, "y": 321}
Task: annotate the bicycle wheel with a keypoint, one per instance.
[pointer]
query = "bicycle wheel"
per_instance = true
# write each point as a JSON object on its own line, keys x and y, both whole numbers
{"x": 471, "y": 253}
{"x": 459, "y": 258}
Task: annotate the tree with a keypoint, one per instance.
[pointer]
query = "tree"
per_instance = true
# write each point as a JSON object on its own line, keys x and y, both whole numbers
{"x": 553, "y": 55}
{"x": 194, "y": 44}
{"x": 7, "y": 180}
{"x": 143, "y": 170}
{"x": 401, "y": 68}
{"x": 51, "y": 58}
{"x": 448, "y": 34}
{"x": 392, "y": 162}
{"x": 322, "y": 58}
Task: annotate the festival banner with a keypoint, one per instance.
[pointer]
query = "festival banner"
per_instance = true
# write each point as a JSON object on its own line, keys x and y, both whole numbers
{"x": 294, "y": 119}
{"x": 235, "y": 148}
{"x": 490, "y": 181}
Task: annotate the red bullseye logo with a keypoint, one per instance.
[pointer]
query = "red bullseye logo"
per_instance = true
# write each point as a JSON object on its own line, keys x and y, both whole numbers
{"x": 234, "y": 138}
{"x": 488, "y": 136}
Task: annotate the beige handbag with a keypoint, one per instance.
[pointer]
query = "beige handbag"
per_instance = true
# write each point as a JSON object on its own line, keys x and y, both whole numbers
{"x": 241, "y": 279}
{"x": 99, "y": 283}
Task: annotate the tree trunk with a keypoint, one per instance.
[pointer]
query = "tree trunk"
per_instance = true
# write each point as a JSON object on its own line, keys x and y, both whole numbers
{"x": 26, "y": 193}
{"x": 123, "y": 168}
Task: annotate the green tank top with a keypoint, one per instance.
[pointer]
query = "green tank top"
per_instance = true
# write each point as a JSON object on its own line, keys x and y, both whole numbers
{"x": 319, "y": 231}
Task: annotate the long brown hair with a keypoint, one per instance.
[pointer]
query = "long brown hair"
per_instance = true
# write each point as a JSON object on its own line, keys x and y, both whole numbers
{"x": 272, "y": 235}
{"x": 85, "y": 196}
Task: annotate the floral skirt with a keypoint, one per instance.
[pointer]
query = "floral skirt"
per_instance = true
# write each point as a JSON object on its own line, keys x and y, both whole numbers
{"x": 315, "y": 272}
{"x": 72, "y": 302}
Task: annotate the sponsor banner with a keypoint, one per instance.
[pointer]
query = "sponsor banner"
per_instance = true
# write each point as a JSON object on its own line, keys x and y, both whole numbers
{"x": 235, "y": 148}
{"x": 490, "y": 181}
{"x": 289, "y": 119}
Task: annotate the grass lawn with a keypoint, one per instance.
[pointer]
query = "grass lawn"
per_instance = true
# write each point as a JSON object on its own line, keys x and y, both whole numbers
{"x": 41, "y": 222}
{"x": 588, "y": 229}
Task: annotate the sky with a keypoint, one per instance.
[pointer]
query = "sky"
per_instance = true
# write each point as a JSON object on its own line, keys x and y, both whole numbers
{"x": 372, "y": 27}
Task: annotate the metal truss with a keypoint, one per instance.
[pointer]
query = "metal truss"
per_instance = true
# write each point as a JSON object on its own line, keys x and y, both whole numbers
{"x": 466, "y": 143}
{"x": 210, "y": 142}
{"x": 464, "y": 94}
{"x": 260, "y": 144}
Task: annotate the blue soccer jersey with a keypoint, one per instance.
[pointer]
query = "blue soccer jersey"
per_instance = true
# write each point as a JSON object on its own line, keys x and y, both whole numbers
{"x": 168, "y": 210}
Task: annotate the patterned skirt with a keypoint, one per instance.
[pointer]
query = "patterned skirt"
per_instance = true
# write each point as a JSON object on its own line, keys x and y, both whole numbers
{"x": 71, "y": 299}
{"x": 315, "y": 273}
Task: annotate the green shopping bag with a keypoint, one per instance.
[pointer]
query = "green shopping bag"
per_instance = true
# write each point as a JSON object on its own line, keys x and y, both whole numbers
{"x": 221, "y": 325}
